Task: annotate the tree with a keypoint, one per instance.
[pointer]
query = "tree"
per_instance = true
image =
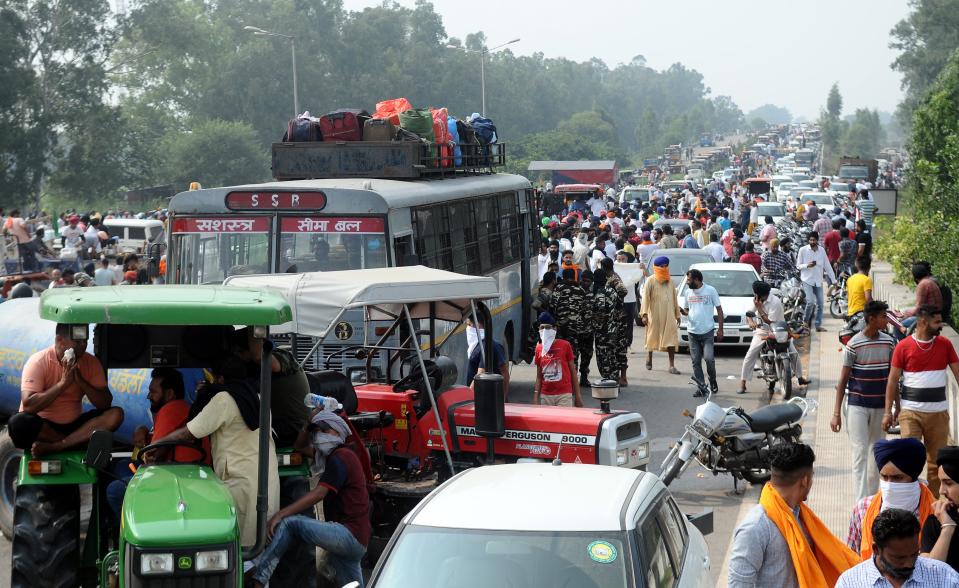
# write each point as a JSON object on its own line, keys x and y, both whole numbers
{"x": 864, "y": 135}
{"x": 834, "y": 102}
{"x": 926, "y": 39}
{"x": 772, "y": 114}
{"x": 215, "y": 153}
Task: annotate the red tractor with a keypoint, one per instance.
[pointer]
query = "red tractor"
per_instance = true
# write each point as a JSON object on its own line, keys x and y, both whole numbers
{"x": 418, "y": 425}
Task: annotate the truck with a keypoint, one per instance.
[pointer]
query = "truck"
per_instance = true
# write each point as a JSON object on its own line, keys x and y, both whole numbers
{"x": 853, "y": 169}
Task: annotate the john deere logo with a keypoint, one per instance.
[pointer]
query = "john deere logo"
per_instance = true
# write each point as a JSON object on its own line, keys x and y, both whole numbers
{"x": 184, "y": 562}
{"x": 343, "y": 330}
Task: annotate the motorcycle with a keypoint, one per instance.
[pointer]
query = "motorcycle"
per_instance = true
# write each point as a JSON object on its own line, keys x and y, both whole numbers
{"x": 776, "y": 355}
{"x": 732, "y": 441}
{"x": 789, "y": 290}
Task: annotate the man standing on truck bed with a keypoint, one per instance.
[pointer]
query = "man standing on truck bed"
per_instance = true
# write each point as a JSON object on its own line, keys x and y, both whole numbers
{"x": 52, "y": 388}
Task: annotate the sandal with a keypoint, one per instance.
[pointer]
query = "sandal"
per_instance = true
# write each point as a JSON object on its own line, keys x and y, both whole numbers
{"x": 673, "y": 370}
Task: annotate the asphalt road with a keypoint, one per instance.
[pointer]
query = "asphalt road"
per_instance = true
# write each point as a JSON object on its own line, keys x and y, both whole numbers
{"x": 661, "y": 398}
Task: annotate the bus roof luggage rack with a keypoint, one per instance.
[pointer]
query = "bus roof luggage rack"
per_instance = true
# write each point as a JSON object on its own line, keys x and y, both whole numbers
{"x": 399, "y": 160}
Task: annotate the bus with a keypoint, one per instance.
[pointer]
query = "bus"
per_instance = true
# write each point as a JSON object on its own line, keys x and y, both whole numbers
{"x": 477, "y": 225}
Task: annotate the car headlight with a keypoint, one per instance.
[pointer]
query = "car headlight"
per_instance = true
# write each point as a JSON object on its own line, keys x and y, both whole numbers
{"x": 156, "y": 563}
{"x": 212, "y": 561}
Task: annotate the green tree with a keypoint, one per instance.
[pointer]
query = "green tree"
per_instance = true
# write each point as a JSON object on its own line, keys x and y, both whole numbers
{"x": 834, "y": 102}
{"x": 926, "y": 39}
{"x": 772, "y": 114}
{"x": 215, "y": 153}
{"x": 864, "y": 135}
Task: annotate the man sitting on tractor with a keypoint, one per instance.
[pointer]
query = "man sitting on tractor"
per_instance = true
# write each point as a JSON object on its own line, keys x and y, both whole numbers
{"x": 52, "y": 388}
{"x": 228, "y": 411}
{"x": 342, "y": 488}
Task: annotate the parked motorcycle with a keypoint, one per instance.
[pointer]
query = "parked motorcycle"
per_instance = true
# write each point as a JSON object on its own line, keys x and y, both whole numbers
{"x": 732, "y": 441}
{"x": 789, "y": 290}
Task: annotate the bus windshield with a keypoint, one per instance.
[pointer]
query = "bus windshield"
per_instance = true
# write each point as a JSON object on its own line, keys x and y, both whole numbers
{"x": 210, "y": 258}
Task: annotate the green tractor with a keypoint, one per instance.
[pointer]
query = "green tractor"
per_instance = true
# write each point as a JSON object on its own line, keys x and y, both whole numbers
{"x": 178, "y": 524}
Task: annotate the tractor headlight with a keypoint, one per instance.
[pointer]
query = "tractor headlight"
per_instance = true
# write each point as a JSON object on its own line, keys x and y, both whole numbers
{"x": 156, "y": 563}
{"x": 212, "y": 561}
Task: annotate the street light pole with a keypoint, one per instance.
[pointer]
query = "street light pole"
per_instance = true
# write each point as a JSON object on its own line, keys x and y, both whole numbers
{"x": 483, "y": 53}
{"x": 264, "y": 33}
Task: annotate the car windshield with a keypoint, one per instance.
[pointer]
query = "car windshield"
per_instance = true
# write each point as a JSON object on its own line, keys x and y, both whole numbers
{"x": 771, "y": 209}
{"x": 679, "y": 264}
{"x": 430, "y": 557}
{"x": 730, "y": 282}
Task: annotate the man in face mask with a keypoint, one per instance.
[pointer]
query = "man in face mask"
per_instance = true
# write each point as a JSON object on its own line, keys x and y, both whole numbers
{"x": 900, "y": 464}
{"x": 346, "y": 530}
{"x": 895, "y": 561}
{"x": 556, "y": 384}
{"x": 939, "y": 529}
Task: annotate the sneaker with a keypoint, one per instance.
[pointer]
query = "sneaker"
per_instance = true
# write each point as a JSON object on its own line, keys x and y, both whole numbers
{"x": 714, "y": 389}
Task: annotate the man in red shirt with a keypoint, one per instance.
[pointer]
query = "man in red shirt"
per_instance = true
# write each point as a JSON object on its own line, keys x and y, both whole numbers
{"x": 751, "y": 257}
{"x": 555, "y": 368}
{"x": 922, "y": 361}
{"x": 830, "y": 242}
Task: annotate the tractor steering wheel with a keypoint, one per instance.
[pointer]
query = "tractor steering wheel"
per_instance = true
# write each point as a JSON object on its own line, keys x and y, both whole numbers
{"x": 412, "y": 380}
{"x": 189, "y": 444}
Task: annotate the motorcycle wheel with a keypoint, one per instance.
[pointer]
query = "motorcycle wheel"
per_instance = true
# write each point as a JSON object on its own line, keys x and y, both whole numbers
{"x": 756, "y": 476}
{"x": 672, "y": 471}
{"x": 835, "y": 308}
{"x": 786, "y": 381}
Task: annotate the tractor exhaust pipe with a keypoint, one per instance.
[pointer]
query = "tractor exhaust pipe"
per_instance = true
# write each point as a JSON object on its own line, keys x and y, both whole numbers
{"x": 263, "y": 464}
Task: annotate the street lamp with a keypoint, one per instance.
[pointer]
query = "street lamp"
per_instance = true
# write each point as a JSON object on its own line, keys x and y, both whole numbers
{"x": 483, "y": 52}
{"x": 262, "y": 33}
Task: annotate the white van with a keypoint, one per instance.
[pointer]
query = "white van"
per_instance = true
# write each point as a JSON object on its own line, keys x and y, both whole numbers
{"x": 133, "y": 235}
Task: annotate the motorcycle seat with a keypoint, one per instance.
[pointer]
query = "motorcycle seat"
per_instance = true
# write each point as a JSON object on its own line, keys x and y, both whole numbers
{"x": 768, "y": 418}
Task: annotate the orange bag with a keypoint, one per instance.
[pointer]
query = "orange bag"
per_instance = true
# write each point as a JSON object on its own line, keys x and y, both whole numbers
{"x": 441, "y": 130}
{"x": 391, "y": 109}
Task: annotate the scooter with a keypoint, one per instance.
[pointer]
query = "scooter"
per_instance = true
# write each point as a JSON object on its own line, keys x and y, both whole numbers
{"x": 776, "y": 355}
{"x": 730, "y": 440}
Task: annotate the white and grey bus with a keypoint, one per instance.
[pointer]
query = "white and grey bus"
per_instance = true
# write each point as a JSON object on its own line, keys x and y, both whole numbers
{"x": 476, "y": 225}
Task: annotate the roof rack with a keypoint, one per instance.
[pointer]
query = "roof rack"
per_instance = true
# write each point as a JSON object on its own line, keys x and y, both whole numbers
{"x": 382, "y": 160}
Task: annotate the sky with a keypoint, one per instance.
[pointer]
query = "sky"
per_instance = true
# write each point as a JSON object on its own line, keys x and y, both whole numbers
{"x": 781, "y": 52}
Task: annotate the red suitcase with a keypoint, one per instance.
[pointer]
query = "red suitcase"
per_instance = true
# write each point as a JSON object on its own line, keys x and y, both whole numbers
{"x": 343, "y": 125}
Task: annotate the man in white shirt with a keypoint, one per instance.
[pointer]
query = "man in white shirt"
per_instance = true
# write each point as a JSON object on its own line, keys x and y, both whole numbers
{"x": 597, "y": 205}
{"x": 72, "y": 234}
{"x": 769, "y": 309}
{"x": 714, "y": 248}
{"x": 104, "y": 276}
{"x": 813, "y": 267}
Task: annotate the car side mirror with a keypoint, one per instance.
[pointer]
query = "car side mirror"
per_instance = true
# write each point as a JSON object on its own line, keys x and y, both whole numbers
{"x": 702, "y": 521}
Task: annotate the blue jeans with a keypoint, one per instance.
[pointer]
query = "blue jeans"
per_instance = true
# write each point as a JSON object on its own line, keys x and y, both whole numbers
{"x": 701, "y": 347}
{"x": 117, "y": 488}
{"x": 345, "y": 551}
{"x": 813, "y": 300}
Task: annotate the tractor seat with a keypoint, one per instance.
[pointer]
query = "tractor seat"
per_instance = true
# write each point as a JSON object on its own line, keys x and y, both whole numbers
{"x": 336, "y": 385}
{"x": 768, "y": 418}
{"x": 368, "y": 421}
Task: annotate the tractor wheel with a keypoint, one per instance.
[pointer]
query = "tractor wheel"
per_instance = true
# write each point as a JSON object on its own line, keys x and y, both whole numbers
{"x": 46, "y": 536}
{"x": 9, "y": 469}
{"x": 297, "y": 567}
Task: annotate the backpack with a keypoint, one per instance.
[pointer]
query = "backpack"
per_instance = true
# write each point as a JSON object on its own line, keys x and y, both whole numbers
{"x": 303, "y": 129}
{"x": 419, "y": 121}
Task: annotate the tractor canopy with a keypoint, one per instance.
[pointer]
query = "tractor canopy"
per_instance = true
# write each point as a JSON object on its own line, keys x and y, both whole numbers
{"x": 164, "y": 305}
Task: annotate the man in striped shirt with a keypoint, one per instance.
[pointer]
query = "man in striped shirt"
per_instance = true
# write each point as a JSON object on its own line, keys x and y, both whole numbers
{"x": 867, "y": 208}
{"x": 921, "y": 360}
{"x": 865, "y": 369}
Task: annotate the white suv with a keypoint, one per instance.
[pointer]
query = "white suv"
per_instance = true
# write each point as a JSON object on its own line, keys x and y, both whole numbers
{"x": 538, "y": 525}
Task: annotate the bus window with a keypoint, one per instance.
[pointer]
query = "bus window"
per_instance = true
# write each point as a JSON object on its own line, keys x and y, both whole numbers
{"x": 210, "y": 258}
{"x": 330, "y": 244}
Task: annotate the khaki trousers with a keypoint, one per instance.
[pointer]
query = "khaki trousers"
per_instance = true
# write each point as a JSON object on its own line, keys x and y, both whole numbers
{"x": 932, "y": 428}
{"x": 556, "y": 399}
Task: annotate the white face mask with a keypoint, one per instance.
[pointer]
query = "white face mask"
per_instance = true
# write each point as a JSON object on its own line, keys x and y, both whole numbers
{"x": 904, "y": 495}
{"x": 473, "y": 336}
{"x": 547, "y": 336}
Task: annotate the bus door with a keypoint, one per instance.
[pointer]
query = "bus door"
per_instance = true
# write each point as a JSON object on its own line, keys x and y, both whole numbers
{"x": 206, "y": 250}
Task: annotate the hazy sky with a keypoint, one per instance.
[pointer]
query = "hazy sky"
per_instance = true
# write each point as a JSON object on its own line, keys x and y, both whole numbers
{"x": 782, "y": 52}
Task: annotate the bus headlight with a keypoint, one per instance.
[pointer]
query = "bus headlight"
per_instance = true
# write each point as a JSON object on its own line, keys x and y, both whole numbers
{"x": 156, "y": 563}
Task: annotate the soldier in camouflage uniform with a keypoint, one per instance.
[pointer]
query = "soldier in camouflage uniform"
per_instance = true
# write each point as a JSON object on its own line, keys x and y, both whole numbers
{"x": 584, "y": 338}
{"x": 622, "y": 341}
{"x": 566, "y": 303}
{"x": 607, "y": 325}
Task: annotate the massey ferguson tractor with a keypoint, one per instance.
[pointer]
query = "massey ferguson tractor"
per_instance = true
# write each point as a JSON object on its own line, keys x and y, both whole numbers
{"x": 418, "y": 425}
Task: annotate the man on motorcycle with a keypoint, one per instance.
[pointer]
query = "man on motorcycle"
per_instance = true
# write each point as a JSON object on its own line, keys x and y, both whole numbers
{"x": 769, "y": 309}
